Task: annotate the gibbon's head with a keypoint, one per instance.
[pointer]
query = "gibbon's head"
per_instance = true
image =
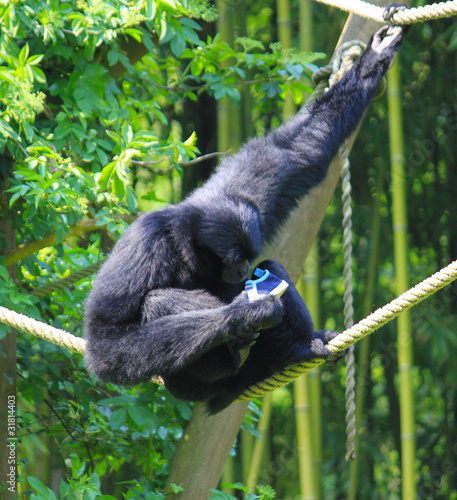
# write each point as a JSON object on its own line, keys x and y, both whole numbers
{"x": 231, "y": 231}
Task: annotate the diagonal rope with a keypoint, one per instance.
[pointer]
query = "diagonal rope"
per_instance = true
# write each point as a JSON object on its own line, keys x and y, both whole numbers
{"x": 341, "y": 342}
{"x": 63, "y": 283}
{"x": 366, "y": 326}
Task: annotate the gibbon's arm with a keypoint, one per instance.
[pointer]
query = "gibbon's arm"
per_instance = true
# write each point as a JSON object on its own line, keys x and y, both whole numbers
{"x": 274, "y": 172}
{"x": 163, "y": 344}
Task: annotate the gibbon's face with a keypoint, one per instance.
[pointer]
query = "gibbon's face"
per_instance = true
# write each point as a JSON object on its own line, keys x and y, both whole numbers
{"x": 232, "y": 235}
{"x": 236, "y": 272}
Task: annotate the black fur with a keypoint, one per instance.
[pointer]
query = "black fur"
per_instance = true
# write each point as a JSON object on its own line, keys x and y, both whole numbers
{"x": 169, "y": 300}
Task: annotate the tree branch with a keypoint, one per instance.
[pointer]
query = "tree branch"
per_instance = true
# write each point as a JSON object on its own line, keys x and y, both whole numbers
{"x": 165, "y": 171}
{"x": 83, "y": 226}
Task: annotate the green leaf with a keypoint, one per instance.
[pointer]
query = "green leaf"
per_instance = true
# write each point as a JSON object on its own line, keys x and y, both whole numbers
{"x": 131, "y": 199}
{"x": 177, "y": 45}
{"x": 45, "y": 493}
{"x": 127, "y": 133}
{"x": 113, "y": 57}
{"x": 197, "y": 67}
{"x": 190, "y": 35}
{"x": 296, "y": 70}
{"x": 135, "y": 34}
{"x": 117, "y": 400}
{"x": 94, "y": 480}
{"x": 38, "y": 75}
{"x": 35, "y": 59}
{"x": 23, "y": 55}
{"x": 118, "y": 418}
{"x": 151, "y": 9}
{"x": 118, "y": 186}
{"x": 249, "y": 44}
{"x": 272, "y": 89}
{"x": 64, "y": 488}
{"x": 191, "y": 23}
{"x": 220, "y": 495}
{"x": 4, "y": 273}
{"x": 19, "y": 191}
{"x": 60, "y": 235}
{"x": 106, "y": 175}
{"x": 7, "y": 75}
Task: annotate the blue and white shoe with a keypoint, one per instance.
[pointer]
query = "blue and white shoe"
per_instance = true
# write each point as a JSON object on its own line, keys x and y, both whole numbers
{"x": 266, "y": 283}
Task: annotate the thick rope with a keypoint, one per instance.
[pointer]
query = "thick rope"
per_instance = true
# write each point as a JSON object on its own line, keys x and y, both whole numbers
{"x": 47, "y": 332}
{"x": 42, "y": 330}
{"x": 348, "y": 301}
{"x": 340, "y": 343}
{"x": 360, "y": 330}
{"x": 326, "y": 76}
{"x": 406, "y": 16}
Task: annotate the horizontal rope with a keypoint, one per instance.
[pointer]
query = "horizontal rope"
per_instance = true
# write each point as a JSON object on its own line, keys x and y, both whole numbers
{"x": 42, "y": 330}
{"x": 406, "y": 16}
{"x": 48, "y": 332}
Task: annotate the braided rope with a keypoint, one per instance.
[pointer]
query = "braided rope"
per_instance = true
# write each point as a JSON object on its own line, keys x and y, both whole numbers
{"x": 48, "y": 332}
{"x": 326, "y": 76}
{"x": 406, "y": 16}
{"x": 360, "y": 330}
{"x": 61, "y": 284}
{"x": 348, "y": 300}
{"x": 340, "y": 343}
{"x": 42, "y": 330}
{"x": 425, "y": 13}
{"x": 345, "y": 57}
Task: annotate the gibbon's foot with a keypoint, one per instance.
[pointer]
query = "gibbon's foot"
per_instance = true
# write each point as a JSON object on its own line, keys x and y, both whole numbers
{"x": 243, "y": 342}
{"x": 390, "y": 10}
{"x": 319, "y": 342}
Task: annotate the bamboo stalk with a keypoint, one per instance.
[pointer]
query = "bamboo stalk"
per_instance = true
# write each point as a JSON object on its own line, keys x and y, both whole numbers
{"x": 404, "y": 339}
{"x": 228, "y": 114}
{"x": 285, "y": 37}
{"x": 228, "y": 475}
{"x": 306, "y": 25}
{"x": 311, "y": 385}
{"x": 260, "y": 445}
{"x": 307, "y": 396}
{"x": 247, "y": 448}
{"x": 304, "y": 427}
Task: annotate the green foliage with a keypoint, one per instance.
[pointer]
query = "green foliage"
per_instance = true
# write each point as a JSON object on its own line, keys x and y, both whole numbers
{"x": 86, "y": 127}
{"x": 79, "y": 485}
{"x": 251, "y": 419}
{"x": 265, "y": 492}
{"x": 60, "y": 61}
{"x": 202, "y": 9}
